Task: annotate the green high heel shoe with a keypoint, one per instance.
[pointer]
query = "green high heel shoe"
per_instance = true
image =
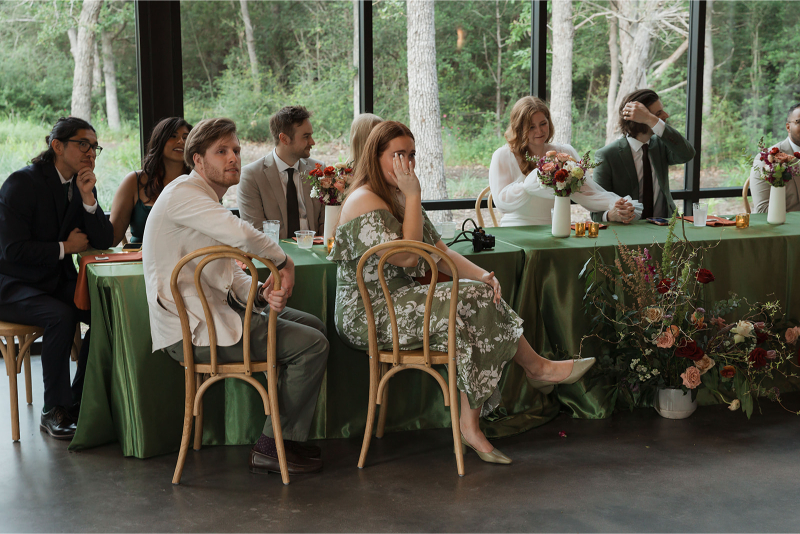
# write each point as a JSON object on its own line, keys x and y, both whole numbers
{"x": 579, "y": 369}
{"x": 494, "y": 457}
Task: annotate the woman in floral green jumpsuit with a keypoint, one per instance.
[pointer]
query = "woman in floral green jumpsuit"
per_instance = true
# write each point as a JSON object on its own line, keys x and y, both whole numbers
{"x": 384, "y": 204}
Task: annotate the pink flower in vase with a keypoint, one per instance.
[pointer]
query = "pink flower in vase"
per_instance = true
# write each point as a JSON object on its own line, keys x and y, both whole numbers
{"x": 340, "y": 185}
{"x": 326, "y": 182}
{"x": 549, "y": 167}
{"x": 550, "y": 153}
{"x": 691, "y": 377}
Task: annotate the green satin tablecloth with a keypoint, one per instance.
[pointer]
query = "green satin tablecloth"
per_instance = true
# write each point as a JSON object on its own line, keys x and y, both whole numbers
{"x": 135, "y": 396}
{"x": 758, "y": 263}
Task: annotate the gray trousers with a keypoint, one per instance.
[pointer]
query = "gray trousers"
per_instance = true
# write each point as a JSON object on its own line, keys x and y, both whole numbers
{"x": 302, "y": 351}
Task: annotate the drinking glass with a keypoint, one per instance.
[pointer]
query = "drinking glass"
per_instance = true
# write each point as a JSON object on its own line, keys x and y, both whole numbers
{"x": 272, "y": 229}
{"x": 700, "y": 214}
{"x": 448, "y": 230}
{"x": 305, "y": 238}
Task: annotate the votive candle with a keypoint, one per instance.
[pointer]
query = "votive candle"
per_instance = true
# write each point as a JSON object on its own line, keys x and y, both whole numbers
{"x": 743, "y": 220}
{"x": 580, "y": 229}
{"x": 594, "y": 229}
{"x": 329, "y": 244}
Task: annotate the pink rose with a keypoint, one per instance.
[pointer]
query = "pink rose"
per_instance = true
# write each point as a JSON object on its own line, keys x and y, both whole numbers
{"x": 665, "y": 340}
{"x": 704, "y": 364}
{"x": 339, "y": 185}
{"x": 781, "y": 157}
{"x": 562, "y": 157}
{"x": 771, "y": 355}
{"x": 691, "y": 377}
{"x": 792, "y": 334}
{"x": 326, "y": 182}
{"x": 549, "y": 167}
{"x": 550, "y": 153}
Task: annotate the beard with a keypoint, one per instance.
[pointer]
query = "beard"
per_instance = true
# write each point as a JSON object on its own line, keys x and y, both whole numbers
{"x": 219, "y": 177}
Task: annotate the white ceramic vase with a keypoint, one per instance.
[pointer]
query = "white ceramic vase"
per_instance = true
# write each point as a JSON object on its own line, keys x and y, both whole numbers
{"x": 561, "y": 217}
{"x": 331, "y": 218}
{"x": 776, "y": 213}
{"x": 673, "y": 403}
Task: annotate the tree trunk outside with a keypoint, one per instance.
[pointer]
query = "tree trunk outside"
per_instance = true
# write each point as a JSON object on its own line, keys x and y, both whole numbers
{"x": 708, "y": 61}
{"x": 109, "y": 70}
{"x": 499, "y": 76}
{"x": 423, "y": 98}
{"x": 97, "y": 73}
{"x": 356, "y": 87}
{"x": 251, "y": 45}
{"x": 613, "y": 79}
{"x": 561, "y": 74}
{"x": 82, "y": 79}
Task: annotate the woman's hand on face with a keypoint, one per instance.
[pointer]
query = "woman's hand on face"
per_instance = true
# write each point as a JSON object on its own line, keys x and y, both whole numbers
{"x": 406, "y": 178}
{"x": 490, "y": 280}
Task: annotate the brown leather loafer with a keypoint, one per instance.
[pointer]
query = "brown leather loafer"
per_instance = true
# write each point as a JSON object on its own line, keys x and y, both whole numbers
{"x": 58, "y": 423}
{"x": 301, "y": 448}
{"x": 262, "y": 464}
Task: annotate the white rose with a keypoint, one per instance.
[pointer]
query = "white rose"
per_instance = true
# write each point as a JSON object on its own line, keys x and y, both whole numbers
{"x": 734, "y": 405}
{"x": 743, "y": 329}
{"x": 561, "y": 185}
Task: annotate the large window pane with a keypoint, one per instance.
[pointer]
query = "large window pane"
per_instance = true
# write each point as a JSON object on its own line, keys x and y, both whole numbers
{"x": 753, "y": 83}
{"x": 303, "y": 55}
{"x": 36, "y": 84}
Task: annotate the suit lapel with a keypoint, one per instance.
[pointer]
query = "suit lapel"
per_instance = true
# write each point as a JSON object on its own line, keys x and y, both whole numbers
{"x": 274, "y": 182}
{"x": 57, "y": 191}
{"x": 626, "y": 156}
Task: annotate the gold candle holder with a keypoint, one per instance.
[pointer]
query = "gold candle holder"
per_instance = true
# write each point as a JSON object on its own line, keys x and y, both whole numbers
{"x": 329, "y": 244}
{"x": 580, "y": 229}
{"x": 594, "y": 229}
{"x": 743, "y": 220}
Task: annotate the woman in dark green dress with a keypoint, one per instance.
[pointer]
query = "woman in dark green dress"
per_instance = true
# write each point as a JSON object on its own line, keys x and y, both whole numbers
{"x": 139, "y": 190}
{"x": 384, "y": 204}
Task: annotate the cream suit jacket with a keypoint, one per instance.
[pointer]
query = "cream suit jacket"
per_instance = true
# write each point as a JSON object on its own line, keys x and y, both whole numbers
{"x": 760, "y": 188}
{"x": 186, "y": 217}
{"x": 260, "y": 195}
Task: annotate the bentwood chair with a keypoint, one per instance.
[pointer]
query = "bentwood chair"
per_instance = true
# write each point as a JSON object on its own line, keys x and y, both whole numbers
{"x": 745, "y": 189}
{"x": 478, "y": 214}
{"x": 196, "y": 383}
{"x": 384, "y": 364}
{"x": 15, "y": 358}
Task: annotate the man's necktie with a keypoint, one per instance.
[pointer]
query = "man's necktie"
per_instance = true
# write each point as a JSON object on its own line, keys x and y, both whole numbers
{"x": 292, "y": 208}
{"x": 647, "y": 184}
{"x": 67, "y": 190}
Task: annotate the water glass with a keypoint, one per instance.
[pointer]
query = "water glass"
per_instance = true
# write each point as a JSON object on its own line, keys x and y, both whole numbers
{"x": 593, "y": 229}
{"x": 305, "y": 238}
{"x": 580, "y": 229}
{"x": 448, "y": 230}
{"x": 742, "y": 220}
{"x": 272, "y": 229}
{"x": 700, "y": 214}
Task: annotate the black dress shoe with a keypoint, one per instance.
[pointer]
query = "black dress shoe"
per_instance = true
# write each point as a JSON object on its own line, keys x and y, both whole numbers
{"x": 58, "y": 423}
{"x": 301, "y": 448}
{"x": 262, "y": 464}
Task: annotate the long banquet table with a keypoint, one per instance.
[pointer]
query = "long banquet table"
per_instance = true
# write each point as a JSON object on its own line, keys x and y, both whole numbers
{"x": 135, "y": 396}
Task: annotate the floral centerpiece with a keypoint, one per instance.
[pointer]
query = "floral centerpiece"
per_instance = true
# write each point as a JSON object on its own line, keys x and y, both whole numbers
{"x": 329, "y": 185}
{"x": 656, "y": 330}
{"x": 776, "y": 168}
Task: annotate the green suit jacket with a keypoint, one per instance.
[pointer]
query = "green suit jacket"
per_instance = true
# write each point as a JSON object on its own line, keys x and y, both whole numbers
{"x": 616, "y": 172}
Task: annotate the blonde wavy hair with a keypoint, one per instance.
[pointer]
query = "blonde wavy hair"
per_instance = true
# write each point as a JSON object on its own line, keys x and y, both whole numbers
{"x": 521, "y": 120}
{"x": 359, "y": 131}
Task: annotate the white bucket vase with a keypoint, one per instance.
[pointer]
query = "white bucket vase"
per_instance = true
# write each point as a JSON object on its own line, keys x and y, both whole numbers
{"x": 673, "y": 403}
{"x": 561, "y": 217}
{"x": 331, "y": 218}
{"x": 776, "y": 213}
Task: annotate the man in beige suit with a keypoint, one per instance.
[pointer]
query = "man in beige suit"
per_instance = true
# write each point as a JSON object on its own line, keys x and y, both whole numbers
{"x": 188, "y": 216}
{"x": 760, "y": 188}
{"x": 273, "y": 188}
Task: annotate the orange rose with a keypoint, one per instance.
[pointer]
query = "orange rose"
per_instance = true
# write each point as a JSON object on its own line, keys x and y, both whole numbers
{"x": 549, "y": 167}
{"x": 326, "y": 182}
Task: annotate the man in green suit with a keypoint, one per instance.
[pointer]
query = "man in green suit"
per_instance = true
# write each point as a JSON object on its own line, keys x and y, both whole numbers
{"x": 638, "y": 163}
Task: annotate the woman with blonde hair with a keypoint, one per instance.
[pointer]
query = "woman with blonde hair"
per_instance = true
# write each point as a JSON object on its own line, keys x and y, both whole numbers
{"x": 359, "y": 132}
{"x": 384, "y": 204}
{"x": 514, "y": 179}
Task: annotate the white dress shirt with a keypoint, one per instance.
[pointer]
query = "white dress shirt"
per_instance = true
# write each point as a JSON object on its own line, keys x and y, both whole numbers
{"x": 89, "y": 209}
{"x": 282, "y": 166}
{"x": 525, "y": 201}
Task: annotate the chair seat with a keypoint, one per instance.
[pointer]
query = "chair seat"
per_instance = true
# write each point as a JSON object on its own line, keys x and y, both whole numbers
{"x": 413, "y": 357}
{"x": 229, "y": 368}
{"x": 15, "y": 329}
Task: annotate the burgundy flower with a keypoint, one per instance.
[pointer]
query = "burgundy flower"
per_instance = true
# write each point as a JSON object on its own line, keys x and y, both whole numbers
{"x": 689, "y": 349}
{"x": 705, "y": 276}
{"x": 561, "y": 175}
{"x": 664, "y": 285}
{"x": 774, "y": 150}
{"x": 797, "y": 154}
{"x": 761, "y": 336}
{"x": 728, "y": 371}
{"x": 759, "y": 358}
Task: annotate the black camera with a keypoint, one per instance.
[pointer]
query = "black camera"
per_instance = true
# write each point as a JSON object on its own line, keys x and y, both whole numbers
{"x": 481, "y": 240}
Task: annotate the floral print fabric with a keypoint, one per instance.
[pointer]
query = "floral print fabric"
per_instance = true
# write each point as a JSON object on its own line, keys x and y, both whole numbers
{"x": 487, "y": 333}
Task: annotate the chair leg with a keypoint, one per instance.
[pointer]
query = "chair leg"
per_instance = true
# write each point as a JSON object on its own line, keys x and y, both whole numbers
{"x": 277, "y": 432}
{"x": 454, "y": 416}
{"x": 28, "y": 384}
{"x": 198, "y": 420}
{"x": 187, "y": 426}
{"x": 373, "y": 398}
{"x": 384, "y": 403}
{"x": 10, "y": 357}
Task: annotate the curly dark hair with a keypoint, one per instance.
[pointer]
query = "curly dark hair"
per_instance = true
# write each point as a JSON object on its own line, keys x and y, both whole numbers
{"x": 285, "y": 121}
{"x": 64, "y": 128}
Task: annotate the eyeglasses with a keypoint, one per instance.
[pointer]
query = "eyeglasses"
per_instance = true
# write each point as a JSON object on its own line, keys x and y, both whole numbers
{"x": 84, "y": 146}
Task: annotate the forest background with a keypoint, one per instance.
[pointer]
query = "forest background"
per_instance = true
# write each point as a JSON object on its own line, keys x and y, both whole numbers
{"x": 245, "y": 60}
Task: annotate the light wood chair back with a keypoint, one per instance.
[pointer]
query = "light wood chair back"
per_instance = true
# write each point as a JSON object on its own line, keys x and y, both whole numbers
{"x": 478, "y": 214}
{"x": 196, "y": 382}
{"x": 385, "y": 364}
{"x": 745, "y": 190}
{"x": 15, "y": 358}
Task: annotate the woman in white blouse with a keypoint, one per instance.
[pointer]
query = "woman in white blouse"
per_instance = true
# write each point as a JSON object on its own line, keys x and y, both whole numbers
{"x": 515, "y": 185}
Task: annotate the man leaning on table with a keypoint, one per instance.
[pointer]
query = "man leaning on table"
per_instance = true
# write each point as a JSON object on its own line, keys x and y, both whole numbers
{"x": 760, "y": 188}
{"x": 188, "y": 216}
{"x": 48, "y": 212}
{"x": 638, "y": 163}
{"x": 273, "y": 188}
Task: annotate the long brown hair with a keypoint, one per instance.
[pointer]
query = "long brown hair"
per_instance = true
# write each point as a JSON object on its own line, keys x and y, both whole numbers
{"x": 369, "y": 172}
{"x": 359, "y": 132}
{"x": 521, "y": 120}
{"x": 153, "y": 164}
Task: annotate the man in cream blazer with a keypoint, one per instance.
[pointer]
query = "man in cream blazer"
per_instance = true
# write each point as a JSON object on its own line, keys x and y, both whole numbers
{"x": 188, "y": 216}
{"x": 274, "y": 187}
{"x": 760, "y": 188}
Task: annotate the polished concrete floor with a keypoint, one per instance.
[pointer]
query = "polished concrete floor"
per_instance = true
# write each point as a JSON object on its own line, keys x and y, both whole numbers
{"x": 713, "y": 472}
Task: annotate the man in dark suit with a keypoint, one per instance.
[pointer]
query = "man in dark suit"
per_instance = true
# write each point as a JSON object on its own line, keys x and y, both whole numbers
{"x": 48, "y": 212}
{"x": 638, "y": 163}
{"x": 273, "y": 188}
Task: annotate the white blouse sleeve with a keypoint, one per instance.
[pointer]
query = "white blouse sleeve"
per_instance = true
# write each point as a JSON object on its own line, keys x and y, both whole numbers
{"x": 506, "y": 181}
